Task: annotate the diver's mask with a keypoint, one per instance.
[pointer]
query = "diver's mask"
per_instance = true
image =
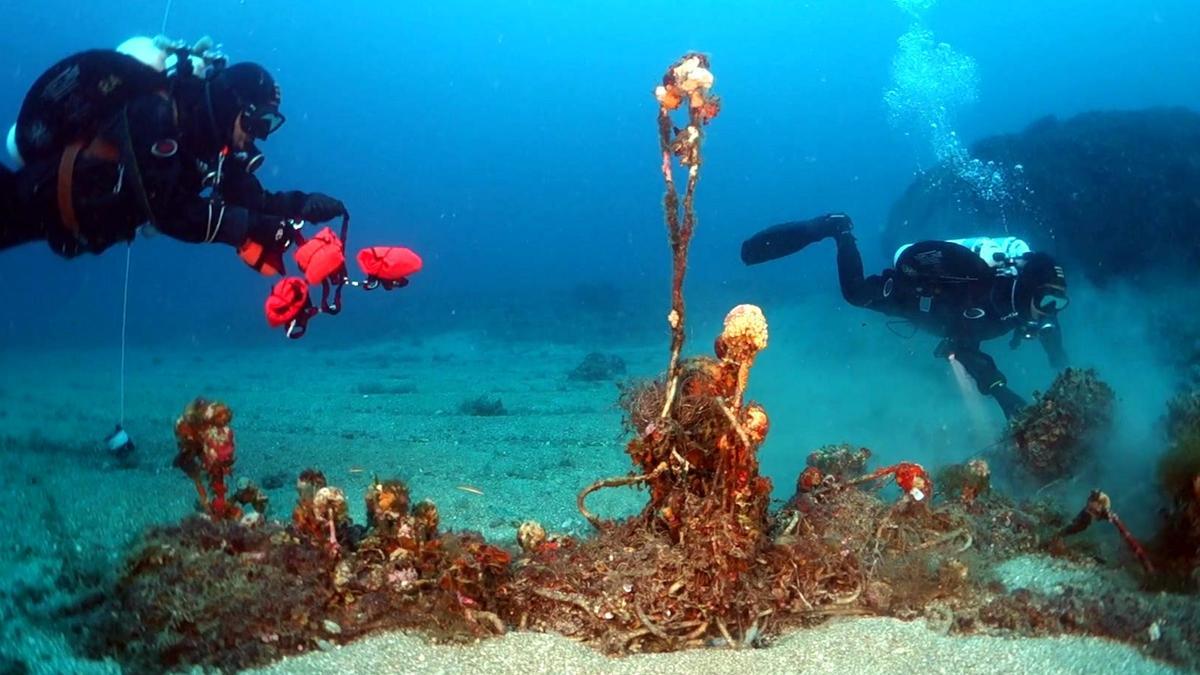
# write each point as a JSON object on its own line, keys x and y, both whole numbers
{"x": 1048, "y": 300}
{"x": 260, "y": 121}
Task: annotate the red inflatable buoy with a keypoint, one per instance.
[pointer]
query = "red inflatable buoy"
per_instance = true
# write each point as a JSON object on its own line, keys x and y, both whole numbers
{"x": 288, "y": 299}
{"x": 388, "y": 263}
{"x": 322, "y": 256}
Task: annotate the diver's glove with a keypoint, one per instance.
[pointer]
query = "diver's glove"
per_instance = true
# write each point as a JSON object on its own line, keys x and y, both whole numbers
{"x": 272, "y": 232}
{"x": 318, "y": 208}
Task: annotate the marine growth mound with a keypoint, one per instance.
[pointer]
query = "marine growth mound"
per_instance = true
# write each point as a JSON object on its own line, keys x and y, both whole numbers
{"x": 1058, "y": 433}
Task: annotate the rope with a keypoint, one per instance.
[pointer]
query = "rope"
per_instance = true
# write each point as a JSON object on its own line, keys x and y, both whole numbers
{"x": 128, "y": 260}
{"x": 166, "y": 13}
{"x": 124, "y": 323}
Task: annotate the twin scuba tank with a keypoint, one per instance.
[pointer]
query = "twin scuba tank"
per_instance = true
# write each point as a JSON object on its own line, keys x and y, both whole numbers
{"x": 163, "y": 55}
{"x": 1000, "y": 253}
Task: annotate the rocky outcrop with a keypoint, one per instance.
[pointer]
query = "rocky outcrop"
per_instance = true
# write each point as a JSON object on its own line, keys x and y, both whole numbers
{"x": 1116, "y": 195}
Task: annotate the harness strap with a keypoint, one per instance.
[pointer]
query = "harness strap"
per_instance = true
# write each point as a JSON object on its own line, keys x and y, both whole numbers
{"x": 96, "y": 149}
{"x": 336, "y": 287}
{"x": 339, "y": 277}
{"x": 130, "y": 159}
{"x": 66, "y": 181}
{"x": 298, "y": 326}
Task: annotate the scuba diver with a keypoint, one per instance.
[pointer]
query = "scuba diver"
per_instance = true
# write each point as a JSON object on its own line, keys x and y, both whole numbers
{"x": 965, "y": 291}
{"x": 109, "y": 141}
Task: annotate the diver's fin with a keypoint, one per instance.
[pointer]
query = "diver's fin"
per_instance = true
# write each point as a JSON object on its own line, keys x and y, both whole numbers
{"x": 785, "y": 239}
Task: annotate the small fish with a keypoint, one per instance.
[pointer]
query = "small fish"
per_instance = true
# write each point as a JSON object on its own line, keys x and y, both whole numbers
{"x": 470, "y": 488}
{"x": 357, "y": 469}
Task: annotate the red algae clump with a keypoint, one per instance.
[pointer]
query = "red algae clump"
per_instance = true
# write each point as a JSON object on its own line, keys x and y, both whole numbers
{"x": 204, "y": 436}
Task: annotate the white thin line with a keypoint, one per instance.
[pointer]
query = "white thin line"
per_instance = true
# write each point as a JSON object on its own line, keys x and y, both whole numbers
{"x": 124, "y": 323}
{"x": 166, "y": 13}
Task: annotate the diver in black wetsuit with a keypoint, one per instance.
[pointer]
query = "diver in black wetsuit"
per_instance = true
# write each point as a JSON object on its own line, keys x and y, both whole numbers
{"x": 943, "y": 288}
{"x": 175, "y": 152}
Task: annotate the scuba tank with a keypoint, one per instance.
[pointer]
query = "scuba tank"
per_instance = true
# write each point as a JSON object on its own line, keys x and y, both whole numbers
{"x": 1000, "y": 253}
{"x": 176, "y": 57}
{"x": 88, "y": 84}
{"x": 140, "y": 48}
{"x": 11, "y": 143}
{"x": 74, "y": 97}
{"x": 145, "y": 49}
